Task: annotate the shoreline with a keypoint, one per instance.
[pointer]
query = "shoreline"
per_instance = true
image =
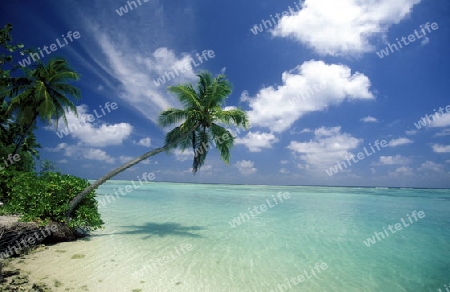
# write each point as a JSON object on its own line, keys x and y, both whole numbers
{"x": 27, "y": 276}
{"x": 20, "y": 242}
{"x": 15, "y": 277}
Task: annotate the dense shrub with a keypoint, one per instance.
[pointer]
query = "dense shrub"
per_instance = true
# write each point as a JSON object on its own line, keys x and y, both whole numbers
{"x": 6, "y": 184}
{"x": 46, "y": 197}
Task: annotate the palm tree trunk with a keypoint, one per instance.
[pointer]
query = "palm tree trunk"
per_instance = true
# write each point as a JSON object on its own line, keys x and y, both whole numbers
{"x": 75, "y": 201}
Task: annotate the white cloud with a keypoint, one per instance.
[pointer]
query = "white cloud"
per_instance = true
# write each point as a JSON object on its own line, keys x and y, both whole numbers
{"x": 444, "y": 132}
{"x": 207, "y": 168}
{"x": 58, "y": 147}
{"x": 79, "y": 151}
{"x": 93, "y": 133}
{"x": 438, "y": 148}
{"x": 343, "y": 27}
{"x": 369, "y": 119}
{"x": 439, "y": 121}
{"x": 431, "y": 166}
{"x": 272, "y": 107}
{"x": 183, "y": 155}
{"x": 148, "y": 161}
{"x": 411, "y": 132}
{"x": 399, "y": 142}
{"x": 306, "y": 130}
{"x": 425, "y": 41}
{"x": 303, "y": 166}
{"x": 245, "y": 167}
{"x": 390, "y": 160}
{"x": 328, "y": 147}
{"x": 284, "y": 161}
{"x": 204, "y": 169}
{"x": 236, "y": 131}
{"x": 284, "y": 171}
{"x": 256, "y": 141}
{"x": 124, "y": 159}
{"x": 146, "y": 142}
{"x": 401, "y": 171}
{"x": 97, "y": 154}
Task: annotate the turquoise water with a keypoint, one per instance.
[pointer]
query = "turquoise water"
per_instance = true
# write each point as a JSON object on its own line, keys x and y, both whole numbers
{"x": 178, "y": 237}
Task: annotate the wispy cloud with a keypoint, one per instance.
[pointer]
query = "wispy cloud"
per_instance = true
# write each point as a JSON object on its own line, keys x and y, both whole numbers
{"x": 79, "y": 151}
{"x": 391, "y": 160}
{"x": 246, "y": 167}
{"x": 127, "y": 63}
{"x": 399, "y": 142}
{"x": 369, "y": 119}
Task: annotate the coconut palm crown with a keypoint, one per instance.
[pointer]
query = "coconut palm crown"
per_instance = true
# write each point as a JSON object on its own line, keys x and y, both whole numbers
{"x": 43, "y": 93}
{"x": 201, "y": 118}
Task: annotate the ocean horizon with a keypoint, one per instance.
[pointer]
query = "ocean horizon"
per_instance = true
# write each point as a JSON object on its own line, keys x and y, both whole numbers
{"x": 286, "y": 185}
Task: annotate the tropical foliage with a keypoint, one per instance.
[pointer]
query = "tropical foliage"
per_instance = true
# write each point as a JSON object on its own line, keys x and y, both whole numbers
{"x": 42, "y": 92}
{"x": 45, "y": 198}
{"x": 7, "y": 46}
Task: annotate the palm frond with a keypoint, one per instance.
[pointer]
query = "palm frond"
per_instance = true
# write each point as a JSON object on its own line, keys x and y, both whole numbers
{"x": 201, "y": 147}
{"x": 204, "y": 84}
{"x": 235, "y": 117}
{"x": 173, "y": 137}
{"x": 221, "y": 89}
{"x": 67, "y": 89}
{"x": 224, "y": 141}
{"x": 186, "y": 94}
{"x": 172, "y": 116}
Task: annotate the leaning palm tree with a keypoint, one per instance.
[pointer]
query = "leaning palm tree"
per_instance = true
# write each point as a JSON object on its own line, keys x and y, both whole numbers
{"x": 198, "y": 125}
{"x": 43, "y": 93}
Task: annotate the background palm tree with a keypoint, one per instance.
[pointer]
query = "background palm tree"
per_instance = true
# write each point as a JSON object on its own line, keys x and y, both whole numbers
{"x": 44, "y": 92}
{"x": 198, "y": 125}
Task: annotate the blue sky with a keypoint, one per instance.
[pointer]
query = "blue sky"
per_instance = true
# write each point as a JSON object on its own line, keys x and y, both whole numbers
{"x": 313, "y": 84}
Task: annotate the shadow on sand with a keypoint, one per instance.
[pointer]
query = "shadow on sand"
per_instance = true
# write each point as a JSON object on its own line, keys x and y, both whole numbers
{"x": 163, "y": 229}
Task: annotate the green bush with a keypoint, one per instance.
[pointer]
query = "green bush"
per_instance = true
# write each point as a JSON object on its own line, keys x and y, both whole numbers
{"x": 6, "y": 183}
{"x": 46, "y": 197}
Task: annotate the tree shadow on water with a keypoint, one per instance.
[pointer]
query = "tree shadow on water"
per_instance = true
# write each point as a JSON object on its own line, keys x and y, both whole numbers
{"x": 163, "y": 229}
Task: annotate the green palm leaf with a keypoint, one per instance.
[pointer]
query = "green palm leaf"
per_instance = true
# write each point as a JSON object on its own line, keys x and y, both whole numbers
{"x": 45, "y": 93}
{"x": 202, "y": 112}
